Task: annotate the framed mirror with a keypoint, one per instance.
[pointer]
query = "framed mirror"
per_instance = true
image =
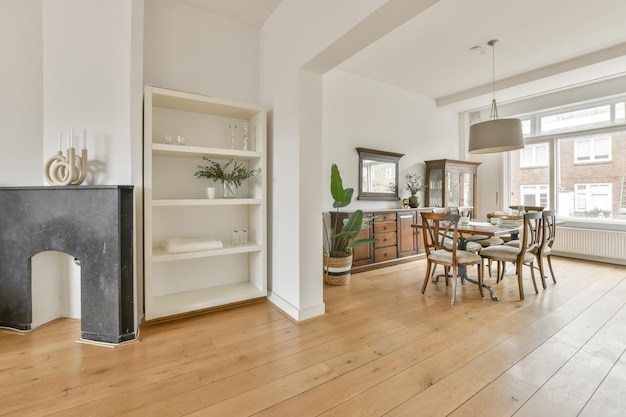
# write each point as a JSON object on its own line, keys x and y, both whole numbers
{"x": 378, "y": 174}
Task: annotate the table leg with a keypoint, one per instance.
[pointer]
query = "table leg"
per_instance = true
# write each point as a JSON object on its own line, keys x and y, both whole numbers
{"x": 463, "y": 272}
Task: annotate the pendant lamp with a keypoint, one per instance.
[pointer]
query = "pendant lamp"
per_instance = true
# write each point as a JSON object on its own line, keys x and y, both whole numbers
{"x": 495, "y": 135}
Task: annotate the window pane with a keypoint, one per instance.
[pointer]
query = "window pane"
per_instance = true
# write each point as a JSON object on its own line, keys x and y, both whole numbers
{"x": 542, "y": 154}
{"x": 526, "y": 127}
{"x": 592, "y": 190}
{"x": 601, "y": 148}
{"x": 576, "y": 120}
{"x": 583, "y": 150}
{"x": 620, "y": 112}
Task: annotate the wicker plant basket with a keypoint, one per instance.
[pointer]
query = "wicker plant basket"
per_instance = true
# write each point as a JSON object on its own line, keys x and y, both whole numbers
{"x": 337, "y": 270}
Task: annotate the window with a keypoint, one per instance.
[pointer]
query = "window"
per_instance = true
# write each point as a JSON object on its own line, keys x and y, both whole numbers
{"x": 559, "y": 166}
{"x": 620, "y": 112}
{"x": 576, "y": 120}
{"x": 592, "y": 150}
{"x": 534, "y": 195}
{"x": 534, "y": 155}
{"x": 593, "y": 200}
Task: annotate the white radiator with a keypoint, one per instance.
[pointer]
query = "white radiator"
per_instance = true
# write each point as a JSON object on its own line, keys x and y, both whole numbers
{"x": 591, "y": 244}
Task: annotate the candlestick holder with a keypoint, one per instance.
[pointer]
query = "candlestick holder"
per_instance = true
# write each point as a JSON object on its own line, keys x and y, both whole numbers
{"x": 68, "y": 169}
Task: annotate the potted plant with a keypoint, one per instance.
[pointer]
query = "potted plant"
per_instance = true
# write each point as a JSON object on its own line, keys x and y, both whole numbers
{"x": 231, "y": 175}
{"x": 414, "y": 184}
{"x": 338, "y": 244}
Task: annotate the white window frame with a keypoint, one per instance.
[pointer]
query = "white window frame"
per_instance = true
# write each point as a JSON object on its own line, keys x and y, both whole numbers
{"x": 534, "y": 147}
{"x": 537, "y": 190}
{"x": 588, "y": 195}
{"x": 593, "y": 158}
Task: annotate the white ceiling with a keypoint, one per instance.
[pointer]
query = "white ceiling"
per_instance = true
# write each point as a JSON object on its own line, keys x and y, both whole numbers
{"x": 544, "y": 45}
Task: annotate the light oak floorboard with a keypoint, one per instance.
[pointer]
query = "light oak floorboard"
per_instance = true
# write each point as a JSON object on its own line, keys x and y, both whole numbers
{"x": 381, "y": 349}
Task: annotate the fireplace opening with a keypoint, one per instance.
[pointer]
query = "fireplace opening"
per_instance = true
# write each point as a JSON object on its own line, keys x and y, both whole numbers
{"x": 55, "y": 287}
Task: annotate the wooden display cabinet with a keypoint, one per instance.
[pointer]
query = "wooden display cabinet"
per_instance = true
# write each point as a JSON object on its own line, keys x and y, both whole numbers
{"x": 451, "y": 183}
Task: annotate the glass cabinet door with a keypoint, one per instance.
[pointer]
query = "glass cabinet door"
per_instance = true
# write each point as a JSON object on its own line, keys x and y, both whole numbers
{"x": 468, "y": 189}
{"x": 435, "y": 188}
{"x": 453, "y": 184}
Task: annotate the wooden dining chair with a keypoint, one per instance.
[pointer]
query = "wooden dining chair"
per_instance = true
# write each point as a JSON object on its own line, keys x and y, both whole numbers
{"x": 440, "y": 228}
{"x": 544, "y": 250}
{"x": 521, "y": 254}
{"x": 463, "y": 211}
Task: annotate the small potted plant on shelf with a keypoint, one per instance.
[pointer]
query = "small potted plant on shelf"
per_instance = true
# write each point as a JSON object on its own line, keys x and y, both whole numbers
{"x": 231, "y": 175}
{"x": 338, "y": 244}
{"x": 414, "y": 184}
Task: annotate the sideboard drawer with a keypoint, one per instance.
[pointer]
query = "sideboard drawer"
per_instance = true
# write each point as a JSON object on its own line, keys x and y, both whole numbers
{"x": 385, "y": 254}
{"x": 385, "y": 217}
{"x": 384, "y": 227}
{"x": 385, "y": 239}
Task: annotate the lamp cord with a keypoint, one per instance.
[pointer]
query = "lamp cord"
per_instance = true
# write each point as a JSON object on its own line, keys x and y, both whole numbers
{"x": 494, "y": 107}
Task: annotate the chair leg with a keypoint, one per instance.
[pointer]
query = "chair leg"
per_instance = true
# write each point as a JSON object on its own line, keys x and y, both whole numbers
{"x": 500, "y": 271}
{"x": 532, "y": 275}
{"x": 481, "y": 274}
{"x": 550, "y": 266}
{"x": 518, "y": 267}
{"x": 541, "y": 270}
{"x": 427, "y": 277}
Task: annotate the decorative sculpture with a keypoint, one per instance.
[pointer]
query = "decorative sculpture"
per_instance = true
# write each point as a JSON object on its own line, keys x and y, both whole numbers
{"x": 68, "y": 169}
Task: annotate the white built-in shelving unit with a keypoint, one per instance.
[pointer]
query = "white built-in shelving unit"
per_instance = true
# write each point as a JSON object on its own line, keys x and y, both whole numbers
{"x": 176, "y": 206}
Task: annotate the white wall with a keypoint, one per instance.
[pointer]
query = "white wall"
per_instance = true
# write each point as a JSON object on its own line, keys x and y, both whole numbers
{"x": 190, "y": 49}
{"x": 21, "y": 100}
{"x": 363, "y": 113}
{"x": 302, "y": 40}
{"x": 87, "y": 82}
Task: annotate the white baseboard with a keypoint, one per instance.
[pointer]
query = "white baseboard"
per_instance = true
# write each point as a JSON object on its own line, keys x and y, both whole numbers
{"x": 294, "y": 312}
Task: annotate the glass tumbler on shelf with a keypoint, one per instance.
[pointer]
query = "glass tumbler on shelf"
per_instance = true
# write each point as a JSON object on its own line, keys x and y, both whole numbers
{"x": 234, "y": 237}
{"x": 181, "y": 140}
{"x": 232, "y": 135}
{"x": 246, "y": 138}
{"x": 243, "y": 236}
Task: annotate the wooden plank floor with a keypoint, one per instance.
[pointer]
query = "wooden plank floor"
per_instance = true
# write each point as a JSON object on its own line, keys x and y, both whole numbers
{"x": 382, "y": 349}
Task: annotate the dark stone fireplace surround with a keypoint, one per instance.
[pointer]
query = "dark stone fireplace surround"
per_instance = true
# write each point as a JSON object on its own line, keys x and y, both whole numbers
{"x": 93, "y": 224}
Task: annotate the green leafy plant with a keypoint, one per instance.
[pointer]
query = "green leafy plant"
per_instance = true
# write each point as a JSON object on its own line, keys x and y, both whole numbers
{"x": 338, "y": 243}
{"x": 414, "y": 183}
{"x": 233, "y": 171}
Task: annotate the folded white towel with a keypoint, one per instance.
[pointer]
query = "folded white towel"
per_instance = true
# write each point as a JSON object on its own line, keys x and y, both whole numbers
{"x": 180, "y": 245}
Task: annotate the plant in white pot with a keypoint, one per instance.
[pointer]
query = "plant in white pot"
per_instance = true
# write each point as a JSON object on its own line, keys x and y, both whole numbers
{"x": 338, "y": 244}
{"x": 231, "y": 175}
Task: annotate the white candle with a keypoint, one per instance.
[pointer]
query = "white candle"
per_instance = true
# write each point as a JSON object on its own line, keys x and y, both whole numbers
{"x": 71, "y": 139}
{"x": 84, "y": 144}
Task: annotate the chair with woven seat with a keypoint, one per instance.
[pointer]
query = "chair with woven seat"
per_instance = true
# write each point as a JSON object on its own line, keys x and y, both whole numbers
{"x": 521, "y": 254}
{"x": 439, "y": 228}
{"x": 463, "y": 211}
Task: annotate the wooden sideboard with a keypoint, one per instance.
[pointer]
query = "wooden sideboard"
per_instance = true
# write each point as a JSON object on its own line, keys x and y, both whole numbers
{"x": 397, "y": 241}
